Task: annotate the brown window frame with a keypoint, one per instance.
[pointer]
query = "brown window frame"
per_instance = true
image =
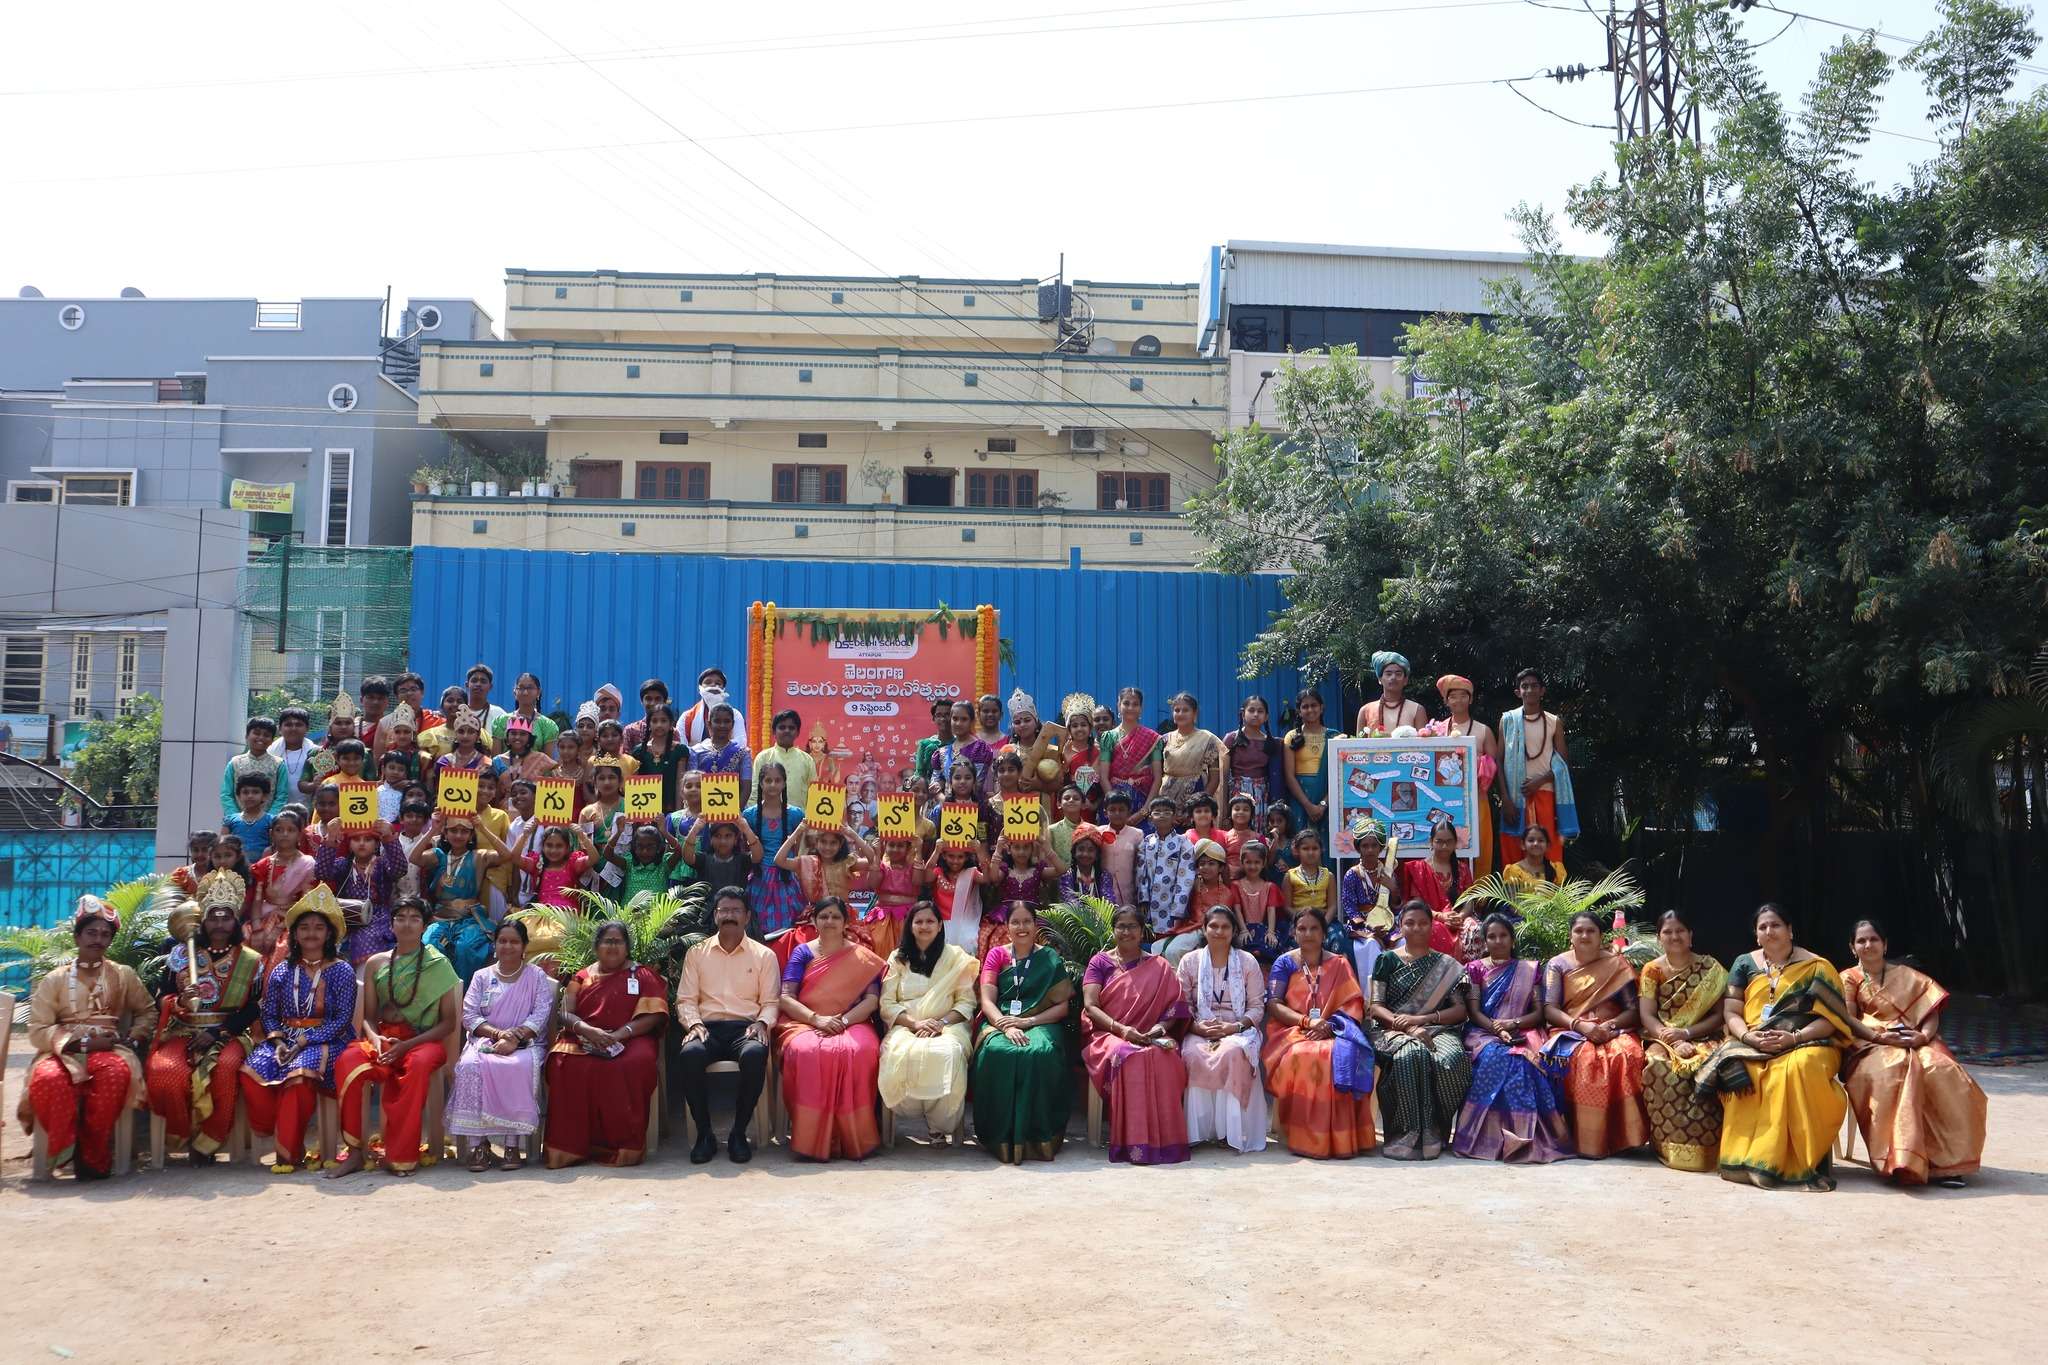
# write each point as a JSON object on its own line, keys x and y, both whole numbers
{"x": 795, "y": 474}
{"x": 1105, "y": 499}
{"x": 1014, "y": 494}
{"x": 684, "y": 470}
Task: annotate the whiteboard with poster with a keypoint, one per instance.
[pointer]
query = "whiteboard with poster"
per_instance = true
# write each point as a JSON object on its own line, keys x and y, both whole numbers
{"x": 1408, "y": 785}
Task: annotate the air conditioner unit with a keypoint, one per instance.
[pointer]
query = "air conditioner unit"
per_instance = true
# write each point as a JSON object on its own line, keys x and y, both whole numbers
{"x": 1086, "y": 440}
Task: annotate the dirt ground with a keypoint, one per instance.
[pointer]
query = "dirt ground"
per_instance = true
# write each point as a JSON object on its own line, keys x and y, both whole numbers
{"x": 944, "y": 1255}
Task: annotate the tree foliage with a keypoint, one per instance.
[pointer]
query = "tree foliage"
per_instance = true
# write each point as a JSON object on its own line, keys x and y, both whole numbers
{"x": 1762, "y": 488}
{"x": 117, "y": 762}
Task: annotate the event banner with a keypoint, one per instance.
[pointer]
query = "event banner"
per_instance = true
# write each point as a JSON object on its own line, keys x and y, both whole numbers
{"x": 1408, "y": 785}
{"x": 864, "y": 682}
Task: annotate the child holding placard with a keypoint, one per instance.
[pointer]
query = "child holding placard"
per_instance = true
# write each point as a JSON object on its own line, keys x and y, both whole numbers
{"x": 1088, "y": 875}
{"x": 899, "y": 880}
{"x": 608, "y": 806}
{"x": 559, "y": 866}
{"x": 777, "y": 899}
{"x": 365, "y": 866}
{"x": 962, "y": 788}
{"x": 454, "y": 867}
{"x": 956, "y": 870}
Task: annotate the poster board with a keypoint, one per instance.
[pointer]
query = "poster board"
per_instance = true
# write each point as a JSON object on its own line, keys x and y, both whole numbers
{"x": 1408, "y": 785}
{"x": 863, "y": 681}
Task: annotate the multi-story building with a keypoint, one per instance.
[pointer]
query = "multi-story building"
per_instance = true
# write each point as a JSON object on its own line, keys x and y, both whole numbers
{"x": 300, "y": 412}
{"x": 1264, "y": 300}
{"x": 1009, "y": 421}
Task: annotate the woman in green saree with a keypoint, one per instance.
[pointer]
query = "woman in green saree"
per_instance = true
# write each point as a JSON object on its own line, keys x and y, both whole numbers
{"x": 1415, "y": 1010}
{"x": 1681, "y": 1008}
{"x": 1021, "y": 1091}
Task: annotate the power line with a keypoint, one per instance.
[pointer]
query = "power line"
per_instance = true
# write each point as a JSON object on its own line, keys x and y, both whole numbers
{"x": 1875, "y": 32}
{"x": 804, "y": 43}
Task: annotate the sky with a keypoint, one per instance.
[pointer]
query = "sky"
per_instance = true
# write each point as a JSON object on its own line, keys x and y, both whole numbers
{"x": 289, "y": 151}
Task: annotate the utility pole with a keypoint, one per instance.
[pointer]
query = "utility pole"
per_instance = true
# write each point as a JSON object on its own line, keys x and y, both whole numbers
{"x": 1651, "y": 98}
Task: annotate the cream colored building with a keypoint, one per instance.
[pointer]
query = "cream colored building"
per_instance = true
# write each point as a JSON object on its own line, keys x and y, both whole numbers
{"x": 1007, "y": 421}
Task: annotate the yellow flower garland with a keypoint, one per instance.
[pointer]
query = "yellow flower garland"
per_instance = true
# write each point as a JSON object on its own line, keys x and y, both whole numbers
{"x": 767, "y": 672}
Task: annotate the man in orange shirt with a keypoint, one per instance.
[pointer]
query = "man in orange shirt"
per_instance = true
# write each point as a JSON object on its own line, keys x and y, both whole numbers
{"x": 726, "y": 1003}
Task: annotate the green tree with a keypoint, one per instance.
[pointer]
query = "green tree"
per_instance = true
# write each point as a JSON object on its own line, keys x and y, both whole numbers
{"x": 1761, "y": 488}
{"x": 117, "y": 762}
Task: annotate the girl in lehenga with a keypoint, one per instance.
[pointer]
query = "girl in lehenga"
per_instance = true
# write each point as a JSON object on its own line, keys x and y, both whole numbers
{"x": 928, "y": 1008}
{"x": 1589, "y": 995}
{"x": 1681, "y": 1009}
{"x": 1021, "y": 1097}
{"x": 1511, "y": 1112}
{"x": 1781, "y": 1104}
{"x": 1921, "y": 1114}
{"x": 1415, "y": 1010}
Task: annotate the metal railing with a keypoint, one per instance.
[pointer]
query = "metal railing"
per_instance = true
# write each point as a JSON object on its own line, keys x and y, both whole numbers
{"x": 35, "y": 797}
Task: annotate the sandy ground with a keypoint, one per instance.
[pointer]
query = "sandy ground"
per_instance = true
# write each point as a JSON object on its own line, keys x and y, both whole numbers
{"x": 946, "y": 1256}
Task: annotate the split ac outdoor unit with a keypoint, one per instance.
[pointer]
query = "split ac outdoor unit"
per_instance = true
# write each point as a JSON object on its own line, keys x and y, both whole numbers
{"x": 1086, "y": 440}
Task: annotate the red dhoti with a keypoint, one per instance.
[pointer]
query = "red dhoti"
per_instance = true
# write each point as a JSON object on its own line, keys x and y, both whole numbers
{"x": 78, "y": 1117}
{"x": 1540, "y": 809}
{"x": 182, "y": 1094}
{"x": 405, "y": 1089}
{"x": 284, "y": 1110}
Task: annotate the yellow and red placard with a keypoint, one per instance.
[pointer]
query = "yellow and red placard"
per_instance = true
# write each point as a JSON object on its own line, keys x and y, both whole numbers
{"x": 959, "y": 823}
{"x": 825, "y": 806}
{"x": 1023, "y": 819}
{"x": 719, "y": 797}
{"x": 554, "y": 800}
{"x": 896, "y": 815}
{"x": 457, "y": 793}
{"x": 643, "y": 799}
{"x": 358, "y": 805}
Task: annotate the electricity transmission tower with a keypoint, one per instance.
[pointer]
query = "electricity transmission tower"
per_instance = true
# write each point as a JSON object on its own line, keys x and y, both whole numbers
{"x": 1651, "y": 97}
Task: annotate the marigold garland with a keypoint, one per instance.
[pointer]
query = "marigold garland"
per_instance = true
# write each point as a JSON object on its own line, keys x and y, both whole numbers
{"x": 767, "y": 672}
{"x": 986, "y": 658}
{"x": 754, "y": 676}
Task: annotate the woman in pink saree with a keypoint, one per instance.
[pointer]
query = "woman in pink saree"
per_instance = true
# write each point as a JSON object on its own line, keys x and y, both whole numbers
{"x": 826, "y": 1042}
{"x": 1134, "y": 751}
{"x": 1131, "y": 1022}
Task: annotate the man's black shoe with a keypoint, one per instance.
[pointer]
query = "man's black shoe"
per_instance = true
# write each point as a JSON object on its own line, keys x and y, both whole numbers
{"x": 738, "y": 1148}
{"x": 706, "y": 1147}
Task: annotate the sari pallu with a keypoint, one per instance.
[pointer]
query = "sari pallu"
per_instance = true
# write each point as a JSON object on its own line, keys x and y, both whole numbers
{"x": 1780, "y": 1112}
{"x": 1921, "y": 1114}
{"x": 194, "y": 1067}
{"x": 1685, "y": 1127}
{"x": 1423, "y": 1081}
{"x": 928, "y": 1075}
{"x": 1315, "y": 1118}
{"x": 1226, "y": 1099}
{"x": 1145, "y": 1084}
{"x": 829, "y": 1081}
{"x": 1511, "y": 1111}
{"x": 597, "y": 1106}
{"x": 497, "y": 1095}
{"x": 1020, "y": 1093}
{"x": 1130, "y": 762}
{"x": 1601, "y": 1083}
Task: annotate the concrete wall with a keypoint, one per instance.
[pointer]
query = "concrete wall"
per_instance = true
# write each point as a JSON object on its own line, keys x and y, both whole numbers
{"x": 118, "y": 560}
{"x": 126, "y": 338}
{"x": 1315, "y": 275}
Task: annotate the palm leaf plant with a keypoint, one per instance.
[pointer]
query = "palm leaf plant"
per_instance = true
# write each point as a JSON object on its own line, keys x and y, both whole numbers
{"x": 663, "y": 926}
{"x": 1077, "y": 930}
{"x": 1546, "y": 911}
{"x": 28, "y": 953}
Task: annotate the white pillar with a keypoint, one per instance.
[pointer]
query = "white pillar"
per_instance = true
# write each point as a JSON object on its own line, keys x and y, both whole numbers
{"x": 205, "y": 700}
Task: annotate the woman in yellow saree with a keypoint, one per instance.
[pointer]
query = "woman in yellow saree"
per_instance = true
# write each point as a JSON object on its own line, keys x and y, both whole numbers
{"x": 1589, "y": 997}
{"x": 1681, "y": 1005}
{"x": 1781, "y": 1104}
{"x": 1921, "y": 1114}
{"x": 927, "y": 1001}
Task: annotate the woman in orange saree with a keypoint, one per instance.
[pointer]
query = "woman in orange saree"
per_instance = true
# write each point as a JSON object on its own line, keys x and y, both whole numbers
{"x": 1317, "y": 1058}
{"x": 826, "y": 1043}
{"x": 603, "y": 1069}
{"x": 1921, "y": 1114}
{"x": 1593, "y": 1053}
{"x": 1131, "y": 1018}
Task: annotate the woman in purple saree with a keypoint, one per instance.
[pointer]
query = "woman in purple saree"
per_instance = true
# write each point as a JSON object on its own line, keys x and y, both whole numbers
{"x": 496, "y": 1090}
{"x": 1511, "y": 1111}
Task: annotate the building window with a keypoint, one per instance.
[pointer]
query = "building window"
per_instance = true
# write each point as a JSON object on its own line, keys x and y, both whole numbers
{"x": 81, "y": 676}
{"x": 1133, "y": 492}
{"x": 838, "y": 296}
{"x": 340, "y": 493}
{"x": 967, "y": 300}
{"x": 803, "y": 376}
{"x": 330, "y": 652}
{"x": 810, "y": 483}
{"x": 1002, "y": 445}
{"x": 1002, "y": 488}
{"x": 686, "y": 295}
{"x": 33, "y": 490}
{"x": 21, "y": 674}
{"x": 71, "y": 317}
{"x": 486, "y": 369}
{"x": 561, "y": 291}
{"x": 675, "y": 438}
{"x": 632, "y": 372}
{"x": 277, "y": 317}
{"x": 111, "y": 489}
{"x": 428, "y": 318}
{"x": 666, "y": 481}
{"x": 1137, "y": 305}
{"x": 342, "y": 397}
{"x": 970, "y": 379}
{"x": 124, "y": 674}
{"x": 1137, "y": 384}
{"x": 810, "y": 440}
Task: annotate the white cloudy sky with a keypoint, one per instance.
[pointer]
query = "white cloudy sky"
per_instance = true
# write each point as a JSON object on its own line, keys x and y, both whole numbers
{"x": 288, "y": 150}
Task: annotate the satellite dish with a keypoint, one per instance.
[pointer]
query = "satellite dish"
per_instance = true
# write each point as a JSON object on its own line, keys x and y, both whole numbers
{"x": 1146, "y": 346}
{"x": 29, "y": 291}
{"x": 129, "y": 291}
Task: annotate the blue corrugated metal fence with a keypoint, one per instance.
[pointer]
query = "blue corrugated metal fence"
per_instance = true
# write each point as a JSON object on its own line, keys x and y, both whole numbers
{"x": 579, "y": 620}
